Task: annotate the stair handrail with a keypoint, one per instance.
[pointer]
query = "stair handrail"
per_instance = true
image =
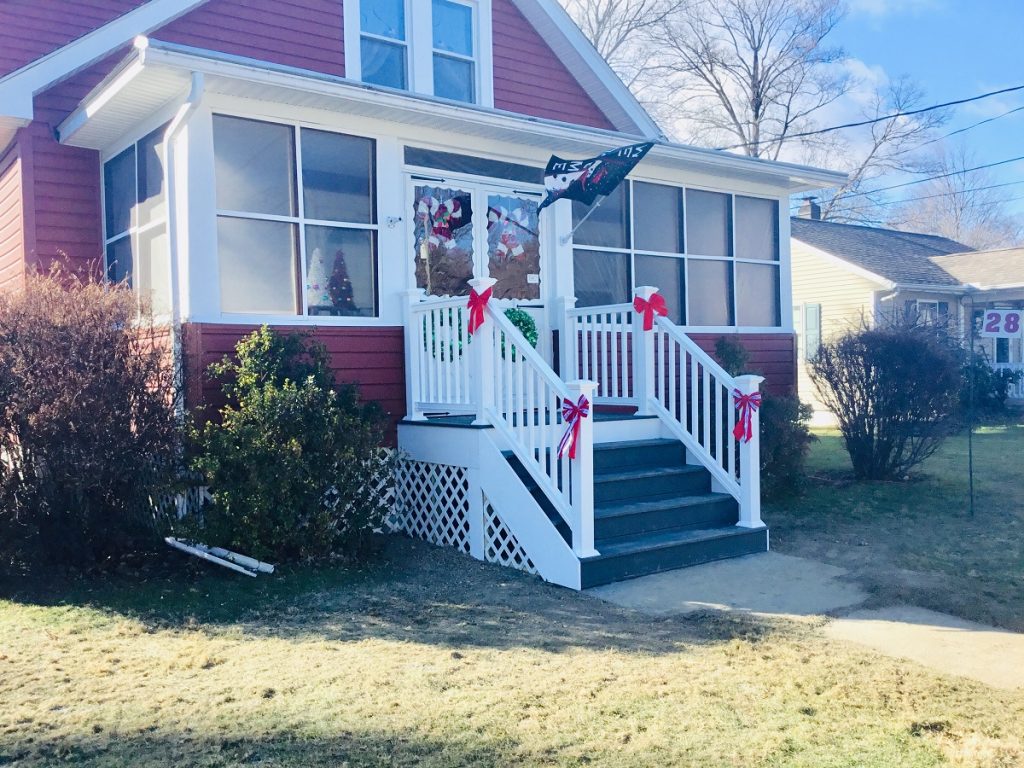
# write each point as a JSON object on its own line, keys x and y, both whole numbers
{"x": 733, "y": 463}
{"x": 536, "y": 446}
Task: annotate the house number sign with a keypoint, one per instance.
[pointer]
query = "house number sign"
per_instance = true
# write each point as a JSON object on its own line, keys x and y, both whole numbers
{"x": 1002, "y": 323}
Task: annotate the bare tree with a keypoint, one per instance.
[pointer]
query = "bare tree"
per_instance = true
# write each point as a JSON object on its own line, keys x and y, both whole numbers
{"x": 961, "y": 205}
{"x": 749, "y": 73}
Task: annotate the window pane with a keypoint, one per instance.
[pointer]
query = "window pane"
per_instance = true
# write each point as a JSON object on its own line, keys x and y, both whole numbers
{"x": 601, "y": 278}
{"x": 710, "y": 292}
{"x": 383, "y": 17}
{"x": 443, "y": 252}
{"x": 757, "y": 228}
{"x": 513, "y": 247}
{"x": 453, "y": 27}
{"x": 119, "y": 260}
{"x": 255, "y": 165}
{"x": 153, "y": 278}
{"x": 658, "y": 217}
{"x": 152, "y": 185}
{"x": 341, "y": 272}
{"x": 608, "y": 225}
{"x": 337, "y": 177}
{"x": 453, "y": 79}
{"x": 257, "y": 266}
{"x": 757, "y": 295}
{"x": 667, "y": 274}
{"x": 383, "y": 63}
{"x": 119, "y": 192}
{"x": 708, "y": 223}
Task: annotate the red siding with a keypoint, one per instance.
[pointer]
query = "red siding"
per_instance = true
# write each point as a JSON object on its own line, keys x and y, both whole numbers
{"x": 373, "y": 358}
{"x": 296, "y": 33}
{"x": 530, "y": 79}
{"x": 772, "y": 355}
{"x": 12, "y": 236}
{"x": 32, "y": 28}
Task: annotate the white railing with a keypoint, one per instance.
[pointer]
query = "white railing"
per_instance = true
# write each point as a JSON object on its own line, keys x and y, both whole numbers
{"x": 438, "y": 378}
{"x": 1016, "y": 390}
{"x": 599, "y": 348}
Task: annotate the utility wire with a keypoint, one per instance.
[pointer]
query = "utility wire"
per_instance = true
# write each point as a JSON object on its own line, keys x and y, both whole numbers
{"x": 934, "y": 178}
{"x": 795, "y": 206}
{"x": 973, "y": 125}
{"x": 872, "y": 121}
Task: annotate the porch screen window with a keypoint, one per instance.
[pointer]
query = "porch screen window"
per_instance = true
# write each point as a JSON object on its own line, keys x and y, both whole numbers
{"x": 135, "y": 221}
{"x": 454, "y": 50}
{"x": 296, "y": 220}
{"x": 714, "y": 256}
{"x": 384, "y": 48}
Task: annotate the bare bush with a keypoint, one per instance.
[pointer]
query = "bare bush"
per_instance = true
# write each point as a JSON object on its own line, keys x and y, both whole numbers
{"x": 88, "y": 430}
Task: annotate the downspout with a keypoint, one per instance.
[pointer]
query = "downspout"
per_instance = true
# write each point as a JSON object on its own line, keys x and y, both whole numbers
{"x": 173, "y": 128}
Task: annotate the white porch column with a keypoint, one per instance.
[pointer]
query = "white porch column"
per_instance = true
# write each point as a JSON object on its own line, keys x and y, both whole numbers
{"x": 567, "y": 354}
{"x": 750, "y": 461}
{"x": 413, "y": 351}
{"x": 643, "y": 356}
{"x": 582, "y": 473}
{"x": 482, "y": 354}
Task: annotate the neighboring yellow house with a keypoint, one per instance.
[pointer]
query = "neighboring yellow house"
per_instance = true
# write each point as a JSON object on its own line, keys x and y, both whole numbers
{"x": 846, "y": 275}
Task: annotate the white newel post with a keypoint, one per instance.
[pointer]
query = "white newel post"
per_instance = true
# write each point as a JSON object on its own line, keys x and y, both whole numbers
{"x": 413, "y": 350}
{"x": 643, "y": 356}
{"x": 482, "y": 355}
{"x": 582, "y": 471}
{"x": 568, "y": 360}
{"x": 750, "y": 461}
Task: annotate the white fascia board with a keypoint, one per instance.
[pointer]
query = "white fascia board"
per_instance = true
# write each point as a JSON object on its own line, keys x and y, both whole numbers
{"x": 18, "y": 88}
{"x": 931, "y": 288}
{"x": 394, "y": 103}
{"x": 842, "y": 263}
{"x": 587, "y": 65}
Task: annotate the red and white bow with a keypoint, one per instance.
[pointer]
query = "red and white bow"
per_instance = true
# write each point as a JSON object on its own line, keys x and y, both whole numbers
{"x": 649, "y": 308}
{"x": 476, "y": 304}
{"x": 572, "y": 414}
{"x": 746, "y": 404}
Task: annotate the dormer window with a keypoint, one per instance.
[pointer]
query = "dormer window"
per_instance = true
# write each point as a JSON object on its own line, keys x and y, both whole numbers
{"x": 434, "y": 47}
{"x": 384, "y": 50}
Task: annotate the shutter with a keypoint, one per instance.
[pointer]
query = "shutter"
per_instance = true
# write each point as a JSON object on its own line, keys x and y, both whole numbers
{"x": 812, "y": 330}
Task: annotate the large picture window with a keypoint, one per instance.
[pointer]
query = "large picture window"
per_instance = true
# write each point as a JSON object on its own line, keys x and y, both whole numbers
{"x": 296, "y": 220}
{"x": 135, "y": 221}
{"x": 713, "y": 256}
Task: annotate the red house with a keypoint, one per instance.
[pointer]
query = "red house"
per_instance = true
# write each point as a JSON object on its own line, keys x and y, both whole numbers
{"x": 347, "y": 167}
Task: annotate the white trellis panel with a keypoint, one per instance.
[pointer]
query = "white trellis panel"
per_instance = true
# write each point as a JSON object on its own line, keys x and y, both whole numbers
{"x": 500, "y": 544}
{"x": 432, "y": 503}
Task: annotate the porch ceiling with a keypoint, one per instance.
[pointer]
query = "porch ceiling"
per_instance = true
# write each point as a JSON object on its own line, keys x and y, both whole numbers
{"x": 156, "y": 74}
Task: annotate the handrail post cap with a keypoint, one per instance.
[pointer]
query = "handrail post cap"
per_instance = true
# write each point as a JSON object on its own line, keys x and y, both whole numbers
{"x": 645, "y": 291}
{"x": 748, "y": 382}
{"x": 481, "y": 284}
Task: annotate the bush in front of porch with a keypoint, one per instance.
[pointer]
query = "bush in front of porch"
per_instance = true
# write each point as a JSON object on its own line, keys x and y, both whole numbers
{"x": 295, "y": 462}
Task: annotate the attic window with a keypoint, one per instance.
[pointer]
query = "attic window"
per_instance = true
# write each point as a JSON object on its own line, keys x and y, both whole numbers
{"x": 383, "y": 46}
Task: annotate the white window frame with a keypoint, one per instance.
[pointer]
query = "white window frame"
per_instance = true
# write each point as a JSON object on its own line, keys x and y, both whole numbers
{"x": 302, "y": 222}
{"x": 420, "y": 47}
{"x": 778, "y": 262}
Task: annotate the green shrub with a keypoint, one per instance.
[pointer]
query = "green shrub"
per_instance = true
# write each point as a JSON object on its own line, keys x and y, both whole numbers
{"x": 88, "y": 431}
{"x": 991, "y": 387}
{"x": 785, "y": 436}
{"x": 295, "y": 465}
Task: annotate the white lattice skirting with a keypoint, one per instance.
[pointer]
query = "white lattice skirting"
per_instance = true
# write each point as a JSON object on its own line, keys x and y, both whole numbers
{"x": 432, "y": 503}
{"x": 500, "y": 544}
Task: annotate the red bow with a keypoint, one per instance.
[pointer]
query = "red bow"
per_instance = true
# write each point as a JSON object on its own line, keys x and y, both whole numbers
{"x": 747, "y": 404}
{"x": 649, "y": 308}
{"x": 477, "y": 302}
{"x": 572, "y": 414}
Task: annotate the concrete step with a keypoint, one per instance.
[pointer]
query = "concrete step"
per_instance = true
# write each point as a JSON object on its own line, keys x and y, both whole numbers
{"x": 631, "y": 454}
{"x": 639, "y": 518}
{"x": 647, "y": 482}
{"x": 630, "y": 557}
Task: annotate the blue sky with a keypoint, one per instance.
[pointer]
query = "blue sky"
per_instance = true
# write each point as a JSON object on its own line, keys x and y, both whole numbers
{"x": 953, "y": 49}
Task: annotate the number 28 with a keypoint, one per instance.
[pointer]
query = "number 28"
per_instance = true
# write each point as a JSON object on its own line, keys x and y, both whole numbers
{"x": 1010, "y": 322}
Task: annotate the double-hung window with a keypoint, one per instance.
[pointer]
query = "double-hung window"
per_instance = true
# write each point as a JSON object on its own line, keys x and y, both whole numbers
{"x": 454, "y": 50}
{"x": 135, "y": 221}
{"x": 713, "y": 256}
{"x": 383, "y": 43}
{"x": 296, "y": 220}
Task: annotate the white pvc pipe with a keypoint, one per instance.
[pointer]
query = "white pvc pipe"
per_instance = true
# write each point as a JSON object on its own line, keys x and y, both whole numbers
{"x": 202, "y": 555}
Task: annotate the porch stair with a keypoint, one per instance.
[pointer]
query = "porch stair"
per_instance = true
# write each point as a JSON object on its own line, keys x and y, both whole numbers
{"x": 653, "y": 512}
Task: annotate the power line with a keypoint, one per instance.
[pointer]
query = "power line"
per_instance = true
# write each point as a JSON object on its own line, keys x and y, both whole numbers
{"x": 934, "y": 178}
{"x": 973, "y": 125}
{"x": 847, "y": 210}
{"x": 842, "y": 209}
{"x": 872, "y": 121}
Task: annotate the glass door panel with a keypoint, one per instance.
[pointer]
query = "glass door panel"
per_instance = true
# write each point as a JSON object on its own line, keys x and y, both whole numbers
{"x": 443, "y": 246}
{"x": 513, "y": 246}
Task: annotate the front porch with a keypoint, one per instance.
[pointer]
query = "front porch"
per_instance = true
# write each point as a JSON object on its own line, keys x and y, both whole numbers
{"x": 661, "y": 477}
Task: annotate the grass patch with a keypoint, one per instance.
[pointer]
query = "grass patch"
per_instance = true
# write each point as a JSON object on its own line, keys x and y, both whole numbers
{"x": 915, "y": 541}
{"x": 432, "y": 659}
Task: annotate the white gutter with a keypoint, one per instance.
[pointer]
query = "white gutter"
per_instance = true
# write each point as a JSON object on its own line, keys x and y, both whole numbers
{"x": 177, "y": 123}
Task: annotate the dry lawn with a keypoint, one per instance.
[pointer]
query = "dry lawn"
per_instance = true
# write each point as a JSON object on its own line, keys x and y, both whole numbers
{"x": 432, "y": 659}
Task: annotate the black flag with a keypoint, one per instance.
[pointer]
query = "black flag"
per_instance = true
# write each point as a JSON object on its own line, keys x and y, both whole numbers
{"x": 584, "y": 180}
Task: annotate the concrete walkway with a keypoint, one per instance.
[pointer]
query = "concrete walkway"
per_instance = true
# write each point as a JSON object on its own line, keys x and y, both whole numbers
{"x": 780, "y": 585}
